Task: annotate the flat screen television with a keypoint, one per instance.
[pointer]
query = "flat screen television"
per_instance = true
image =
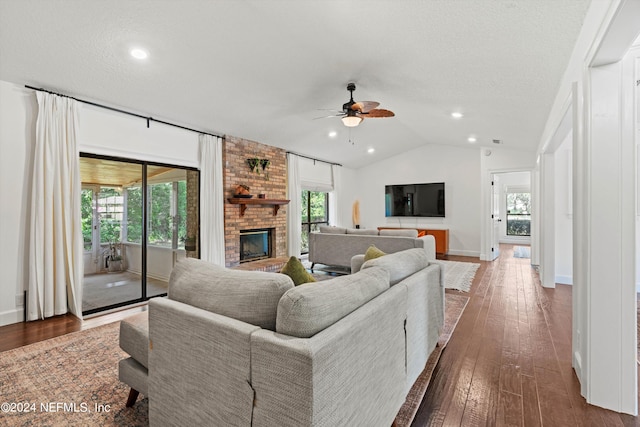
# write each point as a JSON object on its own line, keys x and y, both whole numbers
{"x": 423, "y": 200}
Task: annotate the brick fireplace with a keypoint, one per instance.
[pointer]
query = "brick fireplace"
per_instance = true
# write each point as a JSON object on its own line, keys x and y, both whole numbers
{"x": 235, "y": 153}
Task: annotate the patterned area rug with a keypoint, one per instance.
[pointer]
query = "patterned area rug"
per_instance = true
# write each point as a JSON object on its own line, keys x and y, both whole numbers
{"x": 72, "y": 380}
{"x": 459, "y": 275}
{"x": 454, "y": 306}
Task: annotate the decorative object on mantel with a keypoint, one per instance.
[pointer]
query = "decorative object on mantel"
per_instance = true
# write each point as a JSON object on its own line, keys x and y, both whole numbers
{"x": 242, "y": 191}
{"x": 255, "y": 164}
{"x": 262, "y": 196}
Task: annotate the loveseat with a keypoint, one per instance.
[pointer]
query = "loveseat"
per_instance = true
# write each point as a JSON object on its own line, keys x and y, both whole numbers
{"x": 239, "y": 348}
{"x": 335, "y": 246}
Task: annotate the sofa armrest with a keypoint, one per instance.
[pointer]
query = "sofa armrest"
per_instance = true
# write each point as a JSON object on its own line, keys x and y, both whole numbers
{"x": 352, "y": 373}
{"x": 356, "y": 263}
{"x": 199, "y": 366}
{"x": 429, "y": 246}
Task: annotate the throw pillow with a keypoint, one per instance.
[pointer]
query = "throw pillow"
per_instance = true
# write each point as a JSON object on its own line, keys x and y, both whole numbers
{"x": 372, "y": 253}
{"x": 294, "y": 269}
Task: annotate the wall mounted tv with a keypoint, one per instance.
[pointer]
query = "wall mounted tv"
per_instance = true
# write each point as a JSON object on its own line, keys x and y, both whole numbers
{"x": 423, "y": 200}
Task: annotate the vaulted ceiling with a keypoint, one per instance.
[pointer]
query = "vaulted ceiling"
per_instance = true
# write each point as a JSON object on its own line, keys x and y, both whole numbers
{"x": 265, "y": 69}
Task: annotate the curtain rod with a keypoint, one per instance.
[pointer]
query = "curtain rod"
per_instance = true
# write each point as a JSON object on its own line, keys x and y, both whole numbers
{"x": 148, "y": 119}
{"x": 314, "y": 159}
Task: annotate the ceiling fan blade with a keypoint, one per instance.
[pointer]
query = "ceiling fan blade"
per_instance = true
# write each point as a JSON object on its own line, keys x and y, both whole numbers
{"x": 330, "y": 116}
{"x": 378, "y": 113}
{"x": 364, "y": 106}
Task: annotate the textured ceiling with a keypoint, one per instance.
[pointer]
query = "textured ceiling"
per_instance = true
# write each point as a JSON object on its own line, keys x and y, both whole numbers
{"x": 263, "y": 69}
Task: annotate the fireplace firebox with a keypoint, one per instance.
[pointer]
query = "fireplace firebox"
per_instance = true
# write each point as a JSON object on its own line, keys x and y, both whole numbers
{"x": 255, "y": 244}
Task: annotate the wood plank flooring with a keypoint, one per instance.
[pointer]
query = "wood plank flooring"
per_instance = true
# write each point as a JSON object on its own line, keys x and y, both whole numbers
{"x": 508, "y": 362}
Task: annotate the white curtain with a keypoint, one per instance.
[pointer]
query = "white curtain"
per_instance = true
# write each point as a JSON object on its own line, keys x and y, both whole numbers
{"x": 55, "y": 241}
{"x": 211, "y": 200}
{"x": 294, "y": 211}
{"x": 334, "y": 197}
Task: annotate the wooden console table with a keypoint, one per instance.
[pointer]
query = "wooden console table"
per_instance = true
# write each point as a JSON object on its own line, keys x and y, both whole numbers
{"x": 440, "y": 234}
{"x": 243, "y": 202}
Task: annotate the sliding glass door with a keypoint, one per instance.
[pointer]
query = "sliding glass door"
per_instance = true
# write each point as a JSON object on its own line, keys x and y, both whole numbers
{"x": 135, "y": 223}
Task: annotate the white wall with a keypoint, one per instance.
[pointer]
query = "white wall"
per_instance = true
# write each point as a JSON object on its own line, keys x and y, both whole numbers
{"x": 563, "y": 213}
{"x": 346, "y": 196}
{"x": 18, "y": 110}
{"x": 457, "y": 167}
{"x": 102, "y": 132}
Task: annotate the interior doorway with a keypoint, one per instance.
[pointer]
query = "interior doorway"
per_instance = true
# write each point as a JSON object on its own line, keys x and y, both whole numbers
{"x": 511, "y": 210}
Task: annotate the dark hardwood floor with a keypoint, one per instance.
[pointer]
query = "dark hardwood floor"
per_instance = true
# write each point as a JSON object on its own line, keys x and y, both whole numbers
{"x": 507, "y": 363}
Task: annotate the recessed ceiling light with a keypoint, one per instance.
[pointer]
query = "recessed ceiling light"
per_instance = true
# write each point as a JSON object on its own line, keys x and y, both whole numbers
{"x": 472, "y": 139}
{"x": 371, "y": 150}
{"x": 457, "y": 115}
{"x": 333, "y": 134}
{"x": 139, "y": 53}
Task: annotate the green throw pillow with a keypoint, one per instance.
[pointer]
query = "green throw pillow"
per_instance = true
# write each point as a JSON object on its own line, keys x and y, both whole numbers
{"x": 294, "y": 269}
{"x": 373, "y": 253}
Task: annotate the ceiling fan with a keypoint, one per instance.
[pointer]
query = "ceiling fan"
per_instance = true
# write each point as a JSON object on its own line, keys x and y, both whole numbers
{"x": 354, "y": 112}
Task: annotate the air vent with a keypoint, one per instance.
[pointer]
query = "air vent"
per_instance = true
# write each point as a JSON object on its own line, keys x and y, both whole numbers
{"x": 497, "y": 141}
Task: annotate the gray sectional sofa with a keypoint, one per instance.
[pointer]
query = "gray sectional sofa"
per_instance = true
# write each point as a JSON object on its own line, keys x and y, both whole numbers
{"x": 239, "y": 348}
{"x": 335, "y": 246}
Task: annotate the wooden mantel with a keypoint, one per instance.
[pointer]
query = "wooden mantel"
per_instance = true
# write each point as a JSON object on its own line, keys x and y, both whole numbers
{"x": 243, "y": 202}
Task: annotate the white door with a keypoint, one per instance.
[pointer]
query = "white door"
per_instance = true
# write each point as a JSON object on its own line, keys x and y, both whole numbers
{"x": 495, "y": 218}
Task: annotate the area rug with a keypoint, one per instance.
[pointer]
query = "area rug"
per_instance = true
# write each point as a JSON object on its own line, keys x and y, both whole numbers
{"x": 459, "y": 275}
{"x": 454, "y": 306}
{"x": 72, "y": 380}
{"x": 521, "y": 252}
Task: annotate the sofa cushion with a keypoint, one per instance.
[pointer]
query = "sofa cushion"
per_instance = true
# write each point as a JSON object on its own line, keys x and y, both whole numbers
{"x": 134, "y": 337}
{"x": 363, "y": 231}
{"x": 373, "y": 253}
{"x": 294, "y": 269}
{"x": 406, "y": 232}
{"x": 249, "y": 296}
{"x": 332, "y": 230}
{"x": 306, "y": 310}
{"x": 400, "y": 265}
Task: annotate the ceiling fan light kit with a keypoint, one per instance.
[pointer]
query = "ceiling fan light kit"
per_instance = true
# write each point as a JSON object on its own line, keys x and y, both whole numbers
{"x": 351, "y": 120}
{"x": 354, "y": 112}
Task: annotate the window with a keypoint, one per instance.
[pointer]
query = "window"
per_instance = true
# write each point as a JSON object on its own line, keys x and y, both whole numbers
{"x": 315, "y": 211}
{"x": 518, "y": 214}
{"x": 167, "y": 225}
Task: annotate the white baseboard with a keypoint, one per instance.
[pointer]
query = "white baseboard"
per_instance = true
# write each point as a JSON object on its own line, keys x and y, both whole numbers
{"x": 474, "y": 254}
{"x": 10, "y": 317}
{"x": 577, "y": 364}
{"x": 564, "y": 280}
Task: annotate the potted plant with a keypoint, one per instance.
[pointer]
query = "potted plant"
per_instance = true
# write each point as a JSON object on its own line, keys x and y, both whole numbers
{"x": 264, "y": 163}
{"x": 254, "y": 165}
{"x": 114, "y": 259}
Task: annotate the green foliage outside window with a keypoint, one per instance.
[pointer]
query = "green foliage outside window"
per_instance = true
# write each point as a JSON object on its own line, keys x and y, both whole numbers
{"x": 315, "y": 211}
{"x": 86, "y": 209}
{"x": 160, "y": 230}
{"x": 518, "y": 214}
{"x": 110, "y": 214}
